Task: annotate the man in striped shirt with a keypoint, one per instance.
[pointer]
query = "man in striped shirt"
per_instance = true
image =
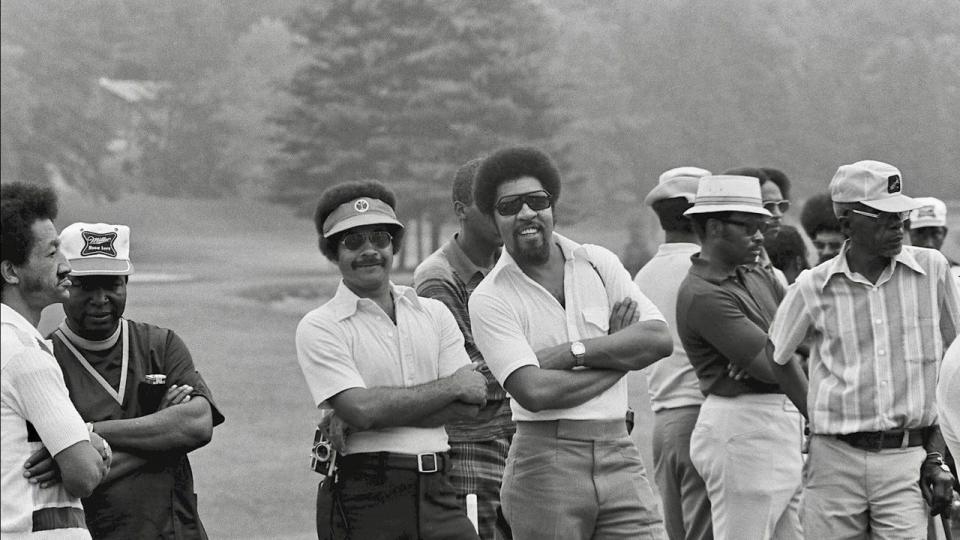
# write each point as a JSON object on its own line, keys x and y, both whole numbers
{"x": 880, "y": 315}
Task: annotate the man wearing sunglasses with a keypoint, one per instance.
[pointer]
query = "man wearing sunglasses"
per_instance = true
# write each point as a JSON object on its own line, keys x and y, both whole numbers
{"x": 478, "y": 447}
{"x": 775, "y": 189}
{"x": 560, "y": 324}
{"x": 746, "y": 442}
{"x": 393, "y": 369}
{"x": 881, "y": 315}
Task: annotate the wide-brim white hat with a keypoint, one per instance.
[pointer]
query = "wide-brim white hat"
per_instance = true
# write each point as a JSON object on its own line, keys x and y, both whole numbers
{"x": 677, "y": 182}
{"x": 727, "y": 193}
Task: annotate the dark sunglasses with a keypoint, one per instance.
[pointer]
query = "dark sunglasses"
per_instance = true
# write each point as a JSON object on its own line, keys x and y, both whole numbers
{"x": 536, "y": 200}
{"x": 749, "y": 227}
{"x": 783, "y": 206}
{"x": 355, "y": 240}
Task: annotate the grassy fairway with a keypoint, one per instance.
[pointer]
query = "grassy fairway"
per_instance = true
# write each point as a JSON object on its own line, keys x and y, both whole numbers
{"x": 233, "y": 279}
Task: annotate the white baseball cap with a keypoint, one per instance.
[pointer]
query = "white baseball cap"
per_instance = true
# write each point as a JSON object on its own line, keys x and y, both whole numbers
{"x": 728, "y": 193}
{"x": 873, "y": 183}
{"x": 933, "y": 213}
{"x": 97, "y": 249}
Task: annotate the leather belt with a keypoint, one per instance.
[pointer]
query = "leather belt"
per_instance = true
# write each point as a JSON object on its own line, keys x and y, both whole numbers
{"x": 880, "y": 440}
{"x": 427, "y": 463}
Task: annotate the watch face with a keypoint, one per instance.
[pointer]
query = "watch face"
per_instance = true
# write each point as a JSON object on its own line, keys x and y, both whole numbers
{"x": 577, "y": 348}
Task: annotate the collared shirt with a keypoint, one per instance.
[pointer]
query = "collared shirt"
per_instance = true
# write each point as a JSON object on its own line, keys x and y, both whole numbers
{"x": 449, "y": 276}
{"x": 876, "y": 347}
{"x": 723, "y": 319}
{"x": 764, "y": 261}
{"x": 35, "y": 412}
{"x": 671, "y": 381}
{"x": 165, "y": 505}
{"x": 514, "y": 316}
{"x": 349, "y": 342}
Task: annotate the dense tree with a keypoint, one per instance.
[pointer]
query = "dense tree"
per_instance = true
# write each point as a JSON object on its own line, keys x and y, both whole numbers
{"x": 405, "y": 91}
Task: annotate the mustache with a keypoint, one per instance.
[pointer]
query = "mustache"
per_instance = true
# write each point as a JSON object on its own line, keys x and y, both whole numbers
{"x": 368, "y": 261}
{"x": 63, "y": 275}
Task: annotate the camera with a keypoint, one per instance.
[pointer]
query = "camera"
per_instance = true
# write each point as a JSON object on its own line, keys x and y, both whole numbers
{"x": 323, "y": 458}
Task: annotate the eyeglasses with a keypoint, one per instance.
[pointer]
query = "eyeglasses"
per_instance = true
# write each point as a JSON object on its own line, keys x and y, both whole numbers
{"x": 750, "y": 227}
{"x": 783, "y": 206}
{"x": 885, "y": 216}
{"x": 536, "y": 200}
{"x": 355, "y": 240}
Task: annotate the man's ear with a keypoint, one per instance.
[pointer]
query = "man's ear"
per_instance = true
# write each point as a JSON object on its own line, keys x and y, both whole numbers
{"x": 9, "y": 272}
{"x": 459, "y": 209}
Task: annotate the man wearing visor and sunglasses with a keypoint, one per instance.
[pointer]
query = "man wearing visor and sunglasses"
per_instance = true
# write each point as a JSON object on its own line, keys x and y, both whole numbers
{"x": 560, "y": 324}
{"x": 393, "y": 369}
{"x": 881, "y": 315}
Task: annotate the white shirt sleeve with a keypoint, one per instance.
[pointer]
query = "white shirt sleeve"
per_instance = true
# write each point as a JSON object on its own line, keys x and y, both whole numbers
{"x": 498, "y": 333}
{"x": 43, "y": 400}
{"x": 452, "y": 354}
{"x": 325, "y": 358}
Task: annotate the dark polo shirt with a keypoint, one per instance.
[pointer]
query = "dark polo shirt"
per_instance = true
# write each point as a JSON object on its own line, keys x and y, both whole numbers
{"x": 723, "y": 319}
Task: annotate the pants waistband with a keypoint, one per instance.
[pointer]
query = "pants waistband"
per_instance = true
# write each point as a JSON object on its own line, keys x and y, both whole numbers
{"x": 881, "y": 440}
{"x": 423, "y": 463}
{"x": 578, "y": 430}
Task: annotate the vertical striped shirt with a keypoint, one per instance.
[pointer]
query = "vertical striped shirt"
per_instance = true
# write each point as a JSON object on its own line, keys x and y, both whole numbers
{"x": 876, "y": 347}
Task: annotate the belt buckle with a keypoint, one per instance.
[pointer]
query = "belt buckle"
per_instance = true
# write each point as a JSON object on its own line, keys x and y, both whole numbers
{"x": 428, "y": 463}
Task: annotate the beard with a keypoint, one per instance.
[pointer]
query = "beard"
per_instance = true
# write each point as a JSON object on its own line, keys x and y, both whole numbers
{"x": 535, "y": 255}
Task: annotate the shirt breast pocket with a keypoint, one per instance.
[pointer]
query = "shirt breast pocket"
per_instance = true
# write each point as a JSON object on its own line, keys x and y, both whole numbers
{"x": 922, "y": 335}
{"x": 596, "y": 319}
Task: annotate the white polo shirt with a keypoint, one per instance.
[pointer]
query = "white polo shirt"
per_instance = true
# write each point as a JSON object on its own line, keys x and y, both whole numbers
{"x": 349, "y": 342}
{"x": 514, "y": 316}
{"x": 35, "y": 412}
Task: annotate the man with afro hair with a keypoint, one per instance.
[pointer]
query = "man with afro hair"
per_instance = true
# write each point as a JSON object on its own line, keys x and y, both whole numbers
{"x": 392, "y": 368}
{"x": 560, "y": 324}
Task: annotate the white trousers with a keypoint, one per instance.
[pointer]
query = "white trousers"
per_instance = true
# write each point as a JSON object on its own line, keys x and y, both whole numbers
{"x": 747, "y": 449}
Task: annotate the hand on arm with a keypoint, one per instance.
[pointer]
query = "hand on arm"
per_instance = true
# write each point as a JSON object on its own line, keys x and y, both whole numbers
{"x": 373, "y": 408}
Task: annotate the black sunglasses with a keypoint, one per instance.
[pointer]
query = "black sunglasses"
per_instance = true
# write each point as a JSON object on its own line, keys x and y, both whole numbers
{"x": 783, "y": 206}
{"x": 355, "y": 240}
{"x": 750, "y": 227}
{"x": 536, "y": 200}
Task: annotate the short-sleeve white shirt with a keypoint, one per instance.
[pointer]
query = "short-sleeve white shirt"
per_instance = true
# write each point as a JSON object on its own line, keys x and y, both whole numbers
{"x": 514, "y": 316}
{"x": 349, "y": 342}
{"x": 34, "y": 393}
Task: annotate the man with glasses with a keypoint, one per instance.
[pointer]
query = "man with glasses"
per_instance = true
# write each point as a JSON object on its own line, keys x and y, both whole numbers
{"x": 775, "y": 189}
{"x": 560, "y": 324}
{"x": 393, "y": 369}
{"x": 746, "y": 442}
{"x": 880, "y": 314}
{"x": 822, "y": 227}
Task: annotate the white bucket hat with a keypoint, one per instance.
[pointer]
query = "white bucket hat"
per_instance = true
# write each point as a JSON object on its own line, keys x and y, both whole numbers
{"x": 726, "y": 193}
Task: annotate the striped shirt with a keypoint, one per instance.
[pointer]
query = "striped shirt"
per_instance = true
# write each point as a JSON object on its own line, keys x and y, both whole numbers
{"x": 449, "y": 276}
{"x": 876, "y": 348}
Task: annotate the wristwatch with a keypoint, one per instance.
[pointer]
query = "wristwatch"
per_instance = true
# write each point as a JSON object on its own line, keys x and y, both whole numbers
{"x": 578, "y": 350}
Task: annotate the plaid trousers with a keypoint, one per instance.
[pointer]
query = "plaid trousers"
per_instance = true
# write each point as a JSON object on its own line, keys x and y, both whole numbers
{"x": 478, "y": 468}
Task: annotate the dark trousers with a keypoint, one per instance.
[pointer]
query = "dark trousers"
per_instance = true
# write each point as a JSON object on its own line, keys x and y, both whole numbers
{"x": 375, "y": 503}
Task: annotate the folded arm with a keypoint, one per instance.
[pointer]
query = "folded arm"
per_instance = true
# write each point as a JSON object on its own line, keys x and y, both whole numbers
{"x": 186, "y": 426}
{"x": 538, "y": 389}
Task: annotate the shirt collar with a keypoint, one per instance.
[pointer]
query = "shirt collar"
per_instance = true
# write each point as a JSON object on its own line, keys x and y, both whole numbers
{"x": 839, "y": 265}
{"x": 673, "y": 248}
{"x": 460, "y": 263}
{"x": 702, "y": 268}
{"x": 569, "y": 248}
{"x": 345, "y": 302}
{"x": 12, "y": 317}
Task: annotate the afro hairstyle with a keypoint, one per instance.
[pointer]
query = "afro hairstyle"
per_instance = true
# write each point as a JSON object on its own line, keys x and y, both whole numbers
{"x": 755, "y": 172}
{"x": 786, "y": 246}
{"x": 22, "y": 205}
{"x": 779, "y": 178}
{"x": 818, "y": 215}
{"x": 345, "y": 192}
{"x": 510, "y": 164}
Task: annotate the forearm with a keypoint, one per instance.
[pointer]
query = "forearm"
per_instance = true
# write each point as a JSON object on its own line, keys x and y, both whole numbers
{"x": 933, "y": 441}
{"x": 452, "y": 413}
{"x": 185, "y": 426}
{"x": 380, "y": 407}
{"x": 122, "y": 465}
{"x": 540, "y": 389}
{"x": 793, "y": 382}
{"x": 630, "y": 349}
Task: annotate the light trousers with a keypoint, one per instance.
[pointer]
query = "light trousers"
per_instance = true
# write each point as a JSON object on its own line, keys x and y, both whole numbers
{"x": 686, "y": 507}
{"x": 747, "y": 449}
